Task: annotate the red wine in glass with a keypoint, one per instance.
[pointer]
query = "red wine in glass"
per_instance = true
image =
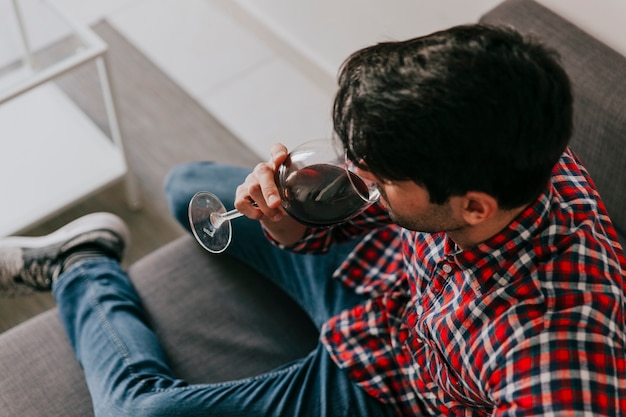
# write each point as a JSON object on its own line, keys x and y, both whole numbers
{"x": 322, "y": 195}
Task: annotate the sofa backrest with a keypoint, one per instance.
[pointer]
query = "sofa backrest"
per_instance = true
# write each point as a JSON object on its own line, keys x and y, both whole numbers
{"x": 598, "y": 75}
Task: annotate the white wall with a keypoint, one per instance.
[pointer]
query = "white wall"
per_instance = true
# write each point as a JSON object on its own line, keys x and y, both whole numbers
{"x": 317, "y": 35}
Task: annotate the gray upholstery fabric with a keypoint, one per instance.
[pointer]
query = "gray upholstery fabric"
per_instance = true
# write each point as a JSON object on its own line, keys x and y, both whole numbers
{"x": 39, "y": 376}
{"x": 598, "y": 75}
{"x": 217, "y": 320}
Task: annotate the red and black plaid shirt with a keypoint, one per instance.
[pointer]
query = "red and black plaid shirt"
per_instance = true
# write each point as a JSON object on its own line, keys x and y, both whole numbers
{"x": 529, "y": 322}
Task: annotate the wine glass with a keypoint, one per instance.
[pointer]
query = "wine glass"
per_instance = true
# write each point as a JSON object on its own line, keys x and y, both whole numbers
{"x": 318, "y": 187}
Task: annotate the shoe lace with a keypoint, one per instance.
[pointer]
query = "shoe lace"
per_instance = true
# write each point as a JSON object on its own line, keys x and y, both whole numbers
{"x": 40, "y": 274}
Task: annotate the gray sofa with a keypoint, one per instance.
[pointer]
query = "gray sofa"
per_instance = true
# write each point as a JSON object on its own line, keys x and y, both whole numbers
{"x": 218, "y": 320}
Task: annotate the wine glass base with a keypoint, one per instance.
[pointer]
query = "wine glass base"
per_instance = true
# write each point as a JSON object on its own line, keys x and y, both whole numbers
{"x": 214, "y": 239}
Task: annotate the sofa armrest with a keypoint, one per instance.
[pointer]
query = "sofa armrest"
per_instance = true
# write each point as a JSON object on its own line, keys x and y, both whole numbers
{"x": 39, "y": 375}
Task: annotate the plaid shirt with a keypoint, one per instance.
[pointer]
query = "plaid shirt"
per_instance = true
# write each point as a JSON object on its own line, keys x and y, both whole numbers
{"x": 529, "y": 322}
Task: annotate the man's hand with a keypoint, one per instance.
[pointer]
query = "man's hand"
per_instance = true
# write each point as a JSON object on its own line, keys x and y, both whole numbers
{"x": 258, "y": 198}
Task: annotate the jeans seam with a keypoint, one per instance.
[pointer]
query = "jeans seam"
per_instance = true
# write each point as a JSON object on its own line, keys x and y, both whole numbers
{"x": 226, "y": 384}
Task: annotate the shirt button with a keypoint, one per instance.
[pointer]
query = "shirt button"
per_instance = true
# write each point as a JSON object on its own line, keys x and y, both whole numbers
{"x": 447, "y": 268}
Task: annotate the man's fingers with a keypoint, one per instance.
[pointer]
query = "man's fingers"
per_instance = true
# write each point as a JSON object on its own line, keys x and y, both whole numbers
{"x": 278, "y": 154}
{"x": 267, "y": 185}
{"x": 245, "y": 203}
{"x": 258, "y": 197}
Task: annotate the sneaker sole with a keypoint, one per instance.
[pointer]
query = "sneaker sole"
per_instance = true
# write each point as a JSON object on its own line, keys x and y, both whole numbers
{"x": 85, "y": 224}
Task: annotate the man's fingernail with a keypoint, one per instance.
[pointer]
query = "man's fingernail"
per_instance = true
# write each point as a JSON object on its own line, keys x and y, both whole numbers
{"x": 273, "y": 199}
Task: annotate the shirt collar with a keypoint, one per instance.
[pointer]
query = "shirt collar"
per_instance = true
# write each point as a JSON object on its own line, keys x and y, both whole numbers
{"x": 505, "y": 244}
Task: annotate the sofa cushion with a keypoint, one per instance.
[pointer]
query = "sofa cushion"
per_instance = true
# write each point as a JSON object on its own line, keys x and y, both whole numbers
{"x": 598, "y": 75}
{"x": 217, "y": 319}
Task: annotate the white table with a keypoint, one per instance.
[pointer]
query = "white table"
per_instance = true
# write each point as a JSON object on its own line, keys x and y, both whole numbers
{"x": 51, "y": 154}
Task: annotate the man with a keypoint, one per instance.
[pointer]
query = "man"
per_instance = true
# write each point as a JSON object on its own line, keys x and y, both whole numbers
{"x": 487, "y": 281}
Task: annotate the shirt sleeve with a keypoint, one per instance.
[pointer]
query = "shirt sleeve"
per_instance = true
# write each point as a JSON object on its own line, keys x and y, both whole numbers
{"x": 319, "y": 240}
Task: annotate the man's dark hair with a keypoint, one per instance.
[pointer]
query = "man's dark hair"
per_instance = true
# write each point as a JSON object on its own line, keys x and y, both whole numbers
{"x": 474, "y": 107}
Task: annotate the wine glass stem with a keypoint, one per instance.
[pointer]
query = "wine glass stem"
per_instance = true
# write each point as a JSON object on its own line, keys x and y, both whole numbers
{"x": 218, "y": 218}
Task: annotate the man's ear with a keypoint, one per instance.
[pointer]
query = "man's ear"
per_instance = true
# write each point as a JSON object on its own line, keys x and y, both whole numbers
{"x": 478, "y": 207}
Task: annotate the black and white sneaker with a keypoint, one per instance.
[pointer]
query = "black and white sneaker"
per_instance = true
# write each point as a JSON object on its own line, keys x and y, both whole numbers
{"x": 29, "y": 264}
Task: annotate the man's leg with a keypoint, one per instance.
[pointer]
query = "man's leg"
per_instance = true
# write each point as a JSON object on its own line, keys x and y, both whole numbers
{"x": 124, "y": 364}
{"x": 127, "y": 374}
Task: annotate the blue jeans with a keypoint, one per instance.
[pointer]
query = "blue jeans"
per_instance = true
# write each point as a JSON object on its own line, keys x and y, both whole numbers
{"x": 125, "y": 366}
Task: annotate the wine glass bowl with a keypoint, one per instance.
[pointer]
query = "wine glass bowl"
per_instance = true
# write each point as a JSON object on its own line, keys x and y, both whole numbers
{"x": 317, "y": 187}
